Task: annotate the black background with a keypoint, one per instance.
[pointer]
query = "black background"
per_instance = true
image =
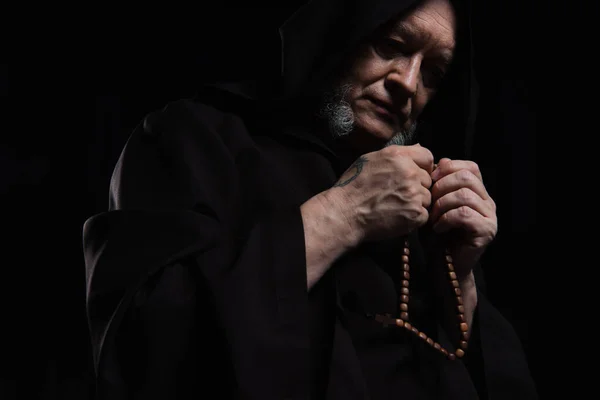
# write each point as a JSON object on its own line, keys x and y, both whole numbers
{"x": 72, "y": 91}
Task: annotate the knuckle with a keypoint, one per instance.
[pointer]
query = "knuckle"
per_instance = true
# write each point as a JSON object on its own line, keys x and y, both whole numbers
{"x": 420, "y": 215}
{"x": 464, "y": 212}
{"x": 411, "y": 191}
{"x": 464, "y": 175}
{"x": 445, "y": 218}
{"x": 473, "y": 166}
{"x": 404, "y": 166}
{"x": 428, "y": 198}
{"x": 392, "y": 151}
{"x": 465, "y": 195}
{"x": 446, "y": 163}
{"x": 428, "y": 155}
{"x": 428, "y": 180}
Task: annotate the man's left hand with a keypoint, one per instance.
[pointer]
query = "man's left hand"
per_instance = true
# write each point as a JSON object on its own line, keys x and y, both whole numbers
{"x": 463, "y": 208}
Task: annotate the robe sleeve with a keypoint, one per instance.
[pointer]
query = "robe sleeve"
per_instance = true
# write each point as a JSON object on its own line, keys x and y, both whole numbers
{"x": 180, "y": 300}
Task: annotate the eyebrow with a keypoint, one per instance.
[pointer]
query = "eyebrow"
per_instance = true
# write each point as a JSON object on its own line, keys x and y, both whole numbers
{"x": 446, "y": 57}
{"x": 407, "y": 30}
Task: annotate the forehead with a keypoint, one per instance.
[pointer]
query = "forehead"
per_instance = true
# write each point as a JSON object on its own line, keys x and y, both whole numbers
{"x": 431, "y": 21}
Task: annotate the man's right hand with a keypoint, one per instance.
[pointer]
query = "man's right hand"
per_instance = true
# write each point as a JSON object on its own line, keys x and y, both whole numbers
{"x": 385, "y": 193}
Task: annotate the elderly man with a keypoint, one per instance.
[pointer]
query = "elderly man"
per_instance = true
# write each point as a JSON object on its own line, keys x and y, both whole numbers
{"x": 315, "y": 238}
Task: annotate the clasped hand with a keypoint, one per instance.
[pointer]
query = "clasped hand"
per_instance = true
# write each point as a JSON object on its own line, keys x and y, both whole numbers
{"x": 395, "y": 190}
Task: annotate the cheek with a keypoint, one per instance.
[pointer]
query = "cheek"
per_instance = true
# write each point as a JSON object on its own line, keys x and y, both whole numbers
{"x": 366, "y": 71}
{"x": 420, "y": 103}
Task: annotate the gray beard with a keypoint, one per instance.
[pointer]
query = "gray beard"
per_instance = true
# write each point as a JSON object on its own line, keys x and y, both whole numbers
{"x": 338, "y": 113}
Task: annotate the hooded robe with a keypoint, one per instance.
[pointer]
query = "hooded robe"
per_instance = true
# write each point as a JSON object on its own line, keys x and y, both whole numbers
{"x": 196, "y": 274}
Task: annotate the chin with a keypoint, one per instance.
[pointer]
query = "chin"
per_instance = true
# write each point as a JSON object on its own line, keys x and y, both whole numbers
{"x": 371, "y": 137}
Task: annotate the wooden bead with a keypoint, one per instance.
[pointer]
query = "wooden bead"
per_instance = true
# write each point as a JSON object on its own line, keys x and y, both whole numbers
{"x": 404, "y": 297}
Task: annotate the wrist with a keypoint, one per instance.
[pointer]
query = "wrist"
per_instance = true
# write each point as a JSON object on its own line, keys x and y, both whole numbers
{"x": 467, "y": 283}
{"x": 341, "y": 217}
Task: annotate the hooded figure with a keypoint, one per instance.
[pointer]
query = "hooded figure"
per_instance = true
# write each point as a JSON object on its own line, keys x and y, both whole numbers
{"x": 197, "y": 273}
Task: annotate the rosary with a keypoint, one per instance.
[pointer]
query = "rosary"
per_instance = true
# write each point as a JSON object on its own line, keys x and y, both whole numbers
{"x": 403, "y": 321}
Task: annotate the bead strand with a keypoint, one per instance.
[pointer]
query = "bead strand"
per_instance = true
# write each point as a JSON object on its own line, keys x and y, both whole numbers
{"x": 404, "y": 322}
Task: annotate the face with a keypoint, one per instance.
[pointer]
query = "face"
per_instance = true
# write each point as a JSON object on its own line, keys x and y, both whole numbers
{"x": 397, "y": 71}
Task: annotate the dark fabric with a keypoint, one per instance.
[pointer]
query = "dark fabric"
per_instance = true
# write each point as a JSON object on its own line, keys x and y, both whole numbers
{"x": 197, "y": 272}
{"x": 197, "y": 280}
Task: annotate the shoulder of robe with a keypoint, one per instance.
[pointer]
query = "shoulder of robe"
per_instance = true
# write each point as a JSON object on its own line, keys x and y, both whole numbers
{"x": 181, "y": 155}
{"x": 184, "y": 113}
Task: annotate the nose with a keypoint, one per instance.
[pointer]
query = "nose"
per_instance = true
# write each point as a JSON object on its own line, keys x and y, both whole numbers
{"x": 404, "y": 76}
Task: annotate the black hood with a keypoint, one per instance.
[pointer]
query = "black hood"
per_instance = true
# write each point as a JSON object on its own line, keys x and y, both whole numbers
{"x": 320, "y": 35}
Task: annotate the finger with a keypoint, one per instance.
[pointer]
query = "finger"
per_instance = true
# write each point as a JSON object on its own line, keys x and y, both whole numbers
{"x": 421, "y": 156}
{"x": 460, "y": 179}
{"x": 425, "y": 178}
{"x": 446, "y": 167}
{"x": 426, "y": 198}
{"x": 468, "y": 220}
{"x": 459, "y": 198}
{"x": 423, "y": 217}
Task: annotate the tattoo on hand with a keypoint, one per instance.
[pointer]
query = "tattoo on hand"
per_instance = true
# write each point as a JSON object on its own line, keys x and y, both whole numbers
{"x": 358, "y": 164}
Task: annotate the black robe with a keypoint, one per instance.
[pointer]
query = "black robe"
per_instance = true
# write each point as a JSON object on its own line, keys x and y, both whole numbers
{"x": 197, "y": 274}
{"x": 197, "y": 280}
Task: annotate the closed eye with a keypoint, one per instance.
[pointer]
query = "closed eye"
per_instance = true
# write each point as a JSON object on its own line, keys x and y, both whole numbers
{"x": 388, "y": 48}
